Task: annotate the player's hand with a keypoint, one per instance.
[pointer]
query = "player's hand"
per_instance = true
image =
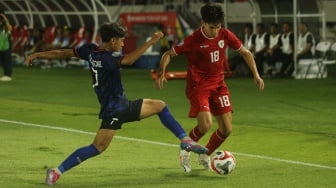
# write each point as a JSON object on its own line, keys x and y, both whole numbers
{"x": 160, "y": 81}
{"x": 156, "y": 37}
{"x": 29, "y": 60}
{"x": 260, "y": 82}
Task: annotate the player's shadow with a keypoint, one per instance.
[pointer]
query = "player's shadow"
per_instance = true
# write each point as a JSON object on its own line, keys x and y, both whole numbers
{"x": 199, "y": 174}
{"x": 79, "y": 114}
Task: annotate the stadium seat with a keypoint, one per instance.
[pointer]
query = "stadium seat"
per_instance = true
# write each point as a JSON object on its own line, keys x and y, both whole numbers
{"x": 317, "y": 64}
{"x": 329, "y": 61}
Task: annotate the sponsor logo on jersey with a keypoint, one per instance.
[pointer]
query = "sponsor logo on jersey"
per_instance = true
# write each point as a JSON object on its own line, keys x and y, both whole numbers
{"x": 113, "y": 120}
{"x": 221, "y": 43}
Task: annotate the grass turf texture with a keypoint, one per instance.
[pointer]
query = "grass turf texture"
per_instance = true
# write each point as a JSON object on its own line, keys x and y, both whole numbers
{"x": 291, "y": 120}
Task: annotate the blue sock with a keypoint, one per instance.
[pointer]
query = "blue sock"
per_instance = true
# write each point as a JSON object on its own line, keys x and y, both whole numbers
{"x": 169, "y": 121}
{"x": 77, "y": 157}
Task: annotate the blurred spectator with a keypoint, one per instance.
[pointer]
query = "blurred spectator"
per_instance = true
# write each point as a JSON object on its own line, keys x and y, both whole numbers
{"x": 82, "y": 36}
{"x": 15, "y": 36}
{"x": 247, "y": 41}
{"x": 29, "y": 40}
{"x": 164, "y": 43}
{"x": 286, "y": 44}
{"x": 21, "y": 40}
{"x": 5, "y": 47}
{"x": 273, "y": 53}
{"x": 248, "y": 36}
{"x": 57, "y": 41}
{"x": 33, "y": 43}
{"x": 260, "y": 46}
{"x": 66, "y": 39}
{"x": 306, "y": 43}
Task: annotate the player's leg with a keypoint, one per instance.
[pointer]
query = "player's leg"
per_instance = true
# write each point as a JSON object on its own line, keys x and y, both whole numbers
{"x": 204, "y": 123}
{"x": 204, "y": 120}
{"x": 200, "y": 108}
{"x": 100, "y": 143}
{"x": 151, "y": 107}
{"x": 220, "y": 105}
{"x": 224, "y": 129}
{"x": 217, "y": 138}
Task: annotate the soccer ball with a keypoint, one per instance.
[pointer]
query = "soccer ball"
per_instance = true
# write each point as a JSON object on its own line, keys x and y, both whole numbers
{"x": 223, "y": 162}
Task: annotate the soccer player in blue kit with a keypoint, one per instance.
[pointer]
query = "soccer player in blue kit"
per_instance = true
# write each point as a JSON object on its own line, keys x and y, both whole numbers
{"x": 116, "y": 109}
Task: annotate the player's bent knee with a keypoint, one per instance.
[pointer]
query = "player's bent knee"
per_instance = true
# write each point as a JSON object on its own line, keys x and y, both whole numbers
{"x": 159, "y": 105}
{"x": 226, "y": 131}
{"x": 205, "y": 126}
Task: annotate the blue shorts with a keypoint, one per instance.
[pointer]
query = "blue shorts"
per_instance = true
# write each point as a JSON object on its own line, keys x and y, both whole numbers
{"x": 132, "y": 113}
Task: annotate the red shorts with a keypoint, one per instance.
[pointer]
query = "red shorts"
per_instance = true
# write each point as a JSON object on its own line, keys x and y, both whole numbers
{"x": 216, "y": 100}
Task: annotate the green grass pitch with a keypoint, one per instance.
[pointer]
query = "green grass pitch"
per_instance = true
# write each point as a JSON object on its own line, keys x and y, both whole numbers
{"x": 282, "y": 137}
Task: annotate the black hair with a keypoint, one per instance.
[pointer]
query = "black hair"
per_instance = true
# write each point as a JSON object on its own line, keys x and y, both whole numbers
{"x": 305, "y": 24}
{"x": 274, "y": 25}
{"x": 212, "y": 13}
{"x": 111, "y": 30}
{"x": 287, "y": 23}
{"x": 248, "y": 25}
{"x": 261, "y": 25}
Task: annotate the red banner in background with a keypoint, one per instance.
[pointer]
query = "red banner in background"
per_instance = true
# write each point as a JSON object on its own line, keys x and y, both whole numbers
{"x": 167, "y": 19}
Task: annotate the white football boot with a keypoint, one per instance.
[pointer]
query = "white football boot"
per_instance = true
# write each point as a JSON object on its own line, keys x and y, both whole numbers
{"x": 204, "y": 160}
{"x": 185, "y": 160}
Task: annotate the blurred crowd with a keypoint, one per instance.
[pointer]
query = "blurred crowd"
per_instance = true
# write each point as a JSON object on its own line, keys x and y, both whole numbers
{"x": 273, "y": 49}
{"x": 27, "y": 40}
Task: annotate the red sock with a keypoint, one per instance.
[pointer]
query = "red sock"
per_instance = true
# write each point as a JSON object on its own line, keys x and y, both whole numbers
{"x": 216, "y": 139}
{"x": 195, "y": 134}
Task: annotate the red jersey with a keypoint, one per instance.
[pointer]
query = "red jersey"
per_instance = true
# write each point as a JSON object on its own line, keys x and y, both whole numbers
{"x": 206, "y": 57}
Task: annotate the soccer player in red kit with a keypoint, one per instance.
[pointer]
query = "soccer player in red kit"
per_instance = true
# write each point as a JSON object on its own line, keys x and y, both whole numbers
{"x": 206, "y": 90}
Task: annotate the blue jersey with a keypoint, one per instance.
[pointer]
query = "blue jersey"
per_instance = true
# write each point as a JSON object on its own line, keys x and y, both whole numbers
{"x": 106, "y": 78}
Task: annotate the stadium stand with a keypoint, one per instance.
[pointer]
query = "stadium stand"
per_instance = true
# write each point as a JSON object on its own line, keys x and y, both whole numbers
{"x": 83, "y": 17}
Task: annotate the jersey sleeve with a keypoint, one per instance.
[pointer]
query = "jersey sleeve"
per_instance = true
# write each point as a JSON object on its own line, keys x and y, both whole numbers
{"x": 83, "y": 51}
{"x": 233, "y": 41}
{"x": 184, "y": 46}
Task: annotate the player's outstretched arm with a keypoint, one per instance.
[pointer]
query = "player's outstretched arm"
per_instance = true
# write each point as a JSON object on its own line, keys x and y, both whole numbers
{"x": 130, "y": 58}
{"x": 162, "y": 69}
{"x": 53, "y": 54}
{"x": 248, "y": 57}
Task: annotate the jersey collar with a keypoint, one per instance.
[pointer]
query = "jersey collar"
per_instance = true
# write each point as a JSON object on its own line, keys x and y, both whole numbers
{"x": 204, "y": 35}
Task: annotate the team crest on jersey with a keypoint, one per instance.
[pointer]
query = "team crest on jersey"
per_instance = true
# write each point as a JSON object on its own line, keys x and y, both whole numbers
{"x": 221, "y": 43}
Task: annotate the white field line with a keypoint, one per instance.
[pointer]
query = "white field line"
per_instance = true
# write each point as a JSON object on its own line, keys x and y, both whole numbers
{"x": 165, "y": 144}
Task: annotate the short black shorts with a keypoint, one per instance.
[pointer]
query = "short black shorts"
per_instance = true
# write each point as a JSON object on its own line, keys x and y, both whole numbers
{"x": 132, "y": 113}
